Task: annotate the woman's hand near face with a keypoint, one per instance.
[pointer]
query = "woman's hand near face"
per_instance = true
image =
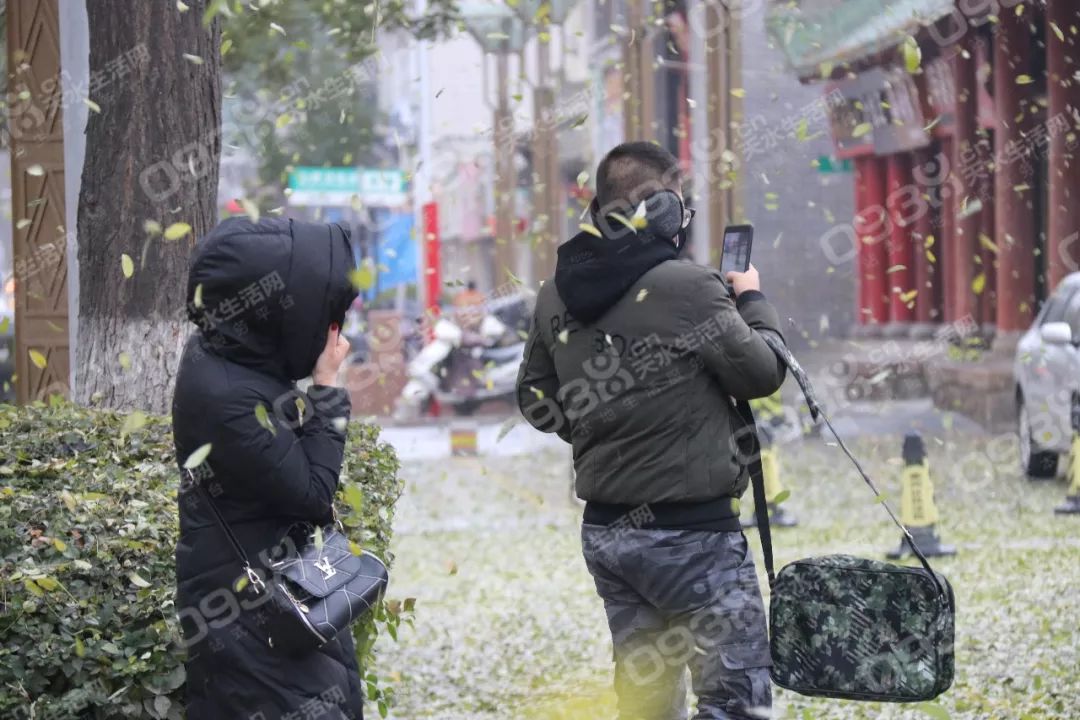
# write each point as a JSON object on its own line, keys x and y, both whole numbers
{"x": 331, "y": 358}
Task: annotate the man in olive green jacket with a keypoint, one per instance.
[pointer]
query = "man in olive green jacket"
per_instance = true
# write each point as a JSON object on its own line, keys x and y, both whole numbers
{"x": 635, "y": 358}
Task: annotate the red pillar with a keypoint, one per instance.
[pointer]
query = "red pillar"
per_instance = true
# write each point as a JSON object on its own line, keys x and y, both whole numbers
{"x": 432, "y": 259}
{"x": 899, "y": 278}
{"x": 927, "y": 308}
{"x": 872, "y": 229}
{"x": 966, "y": 197}
{"x": 1063, "y": 55}
{"x": 946, "y": 245}
{"x": 988, "y": 258}
{"x": 1014, "y": 218}
{"x": 862, "y": 312}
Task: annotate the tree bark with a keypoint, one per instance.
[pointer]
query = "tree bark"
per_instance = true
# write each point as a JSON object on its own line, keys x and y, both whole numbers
{"x": 152, "y": 154}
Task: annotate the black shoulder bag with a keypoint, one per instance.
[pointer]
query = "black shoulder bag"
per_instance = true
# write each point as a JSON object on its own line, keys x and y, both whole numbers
{"x": 849, "y": 627}
{"x": 315, "y": 592}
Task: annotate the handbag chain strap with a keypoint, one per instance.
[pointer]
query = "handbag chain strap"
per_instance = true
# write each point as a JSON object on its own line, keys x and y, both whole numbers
{"x": 253, "y": 577}
{"x": 761, "y": 510}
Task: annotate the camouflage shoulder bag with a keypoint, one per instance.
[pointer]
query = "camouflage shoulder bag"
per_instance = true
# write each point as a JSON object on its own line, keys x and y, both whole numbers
{"x": 850, "y": 627}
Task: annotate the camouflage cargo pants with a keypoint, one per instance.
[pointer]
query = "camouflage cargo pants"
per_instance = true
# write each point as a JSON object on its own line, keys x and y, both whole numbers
{"x": 676, "y": 599}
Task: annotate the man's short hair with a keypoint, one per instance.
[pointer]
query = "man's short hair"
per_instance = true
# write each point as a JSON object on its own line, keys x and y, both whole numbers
{"x": 632, "y": 171}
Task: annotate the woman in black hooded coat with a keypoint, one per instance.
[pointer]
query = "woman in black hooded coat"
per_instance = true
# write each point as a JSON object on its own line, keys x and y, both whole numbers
{"x": 269, "y": 299}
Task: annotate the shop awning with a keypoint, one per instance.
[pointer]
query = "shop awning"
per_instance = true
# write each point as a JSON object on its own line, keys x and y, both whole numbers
{"x": 816, "y": 33}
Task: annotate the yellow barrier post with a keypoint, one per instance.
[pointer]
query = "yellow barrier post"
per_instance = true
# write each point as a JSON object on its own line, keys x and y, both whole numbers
{"x": 918, "y": 512}
{"x": 770, "y": 412}
{"x": 1071, "y": 506}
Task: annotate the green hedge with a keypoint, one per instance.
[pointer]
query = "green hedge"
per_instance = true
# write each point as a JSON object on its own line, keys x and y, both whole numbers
{"x": 88, "y": 527}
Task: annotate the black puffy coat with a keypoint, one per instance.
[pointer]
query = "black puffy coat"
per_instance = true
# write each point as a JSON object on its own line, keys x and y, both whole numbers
{"x": 263, "y": 295}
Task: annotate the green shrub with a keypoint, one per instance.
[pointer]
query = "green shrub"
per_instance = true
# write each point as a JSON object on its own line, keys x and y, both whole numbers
{"x": 88, "y": 527}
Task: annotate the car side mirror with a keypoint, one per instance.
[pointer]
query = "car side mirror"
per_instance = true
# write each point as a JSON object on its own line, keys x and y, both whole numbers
{"x": 1056, "y": 333}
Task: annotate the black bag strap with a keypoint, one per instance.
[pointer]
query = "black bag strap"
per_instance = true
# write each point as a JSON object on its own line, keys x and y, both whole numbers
{"x": 757, "y": 483}
{"x": 757, "y": 477}
{"x": 253, "y": 576}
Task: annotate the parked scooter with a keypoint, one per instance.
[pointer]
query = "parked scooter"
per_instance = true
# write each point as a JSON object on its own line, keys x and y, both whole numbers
{"x": 462, "y": 369}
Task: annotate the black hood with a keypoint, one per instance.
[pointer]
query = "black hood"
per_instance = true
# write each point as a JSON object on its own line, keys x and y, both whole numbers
{"x": 592, "y": 272}
{"x": 264, "y": 293}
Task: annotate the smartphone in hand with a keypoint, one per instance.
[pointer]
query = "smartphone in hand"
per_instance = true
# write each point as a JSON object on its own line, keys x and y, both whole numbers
{"x": 735, "y": 256}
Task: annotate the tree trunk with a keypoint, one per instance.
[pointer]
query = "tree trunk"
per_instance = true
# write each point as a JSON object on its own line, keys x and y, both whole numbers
{"x": 151, "y": 155}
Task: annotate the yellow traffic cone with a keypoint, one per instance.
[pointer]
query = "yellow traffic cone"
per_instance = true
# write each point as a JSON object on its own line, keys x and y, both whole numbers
{"x": 918, "y": 512}
{"x": 1071, "y": 506}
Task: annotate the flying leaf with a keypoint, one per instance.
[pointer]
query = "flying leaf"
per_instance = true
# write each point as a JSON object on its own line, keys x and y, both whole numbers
{"x": 92, "y": 105}
{"x": 277, "y": 28}
{"x": 1024, "y": 79}
{"x": 262, "y": 415}
{"x": 152, "y": 227}
{"x": 912, "y": 55}
{"x": 781, "y": 496}
{"x": 623, "y": 219}
{"x": 196, "y": 458}
{"x": 979, "y": 283}
{"x": 987, "y": 243}
{"x": 861, "y": 129}
{"x": 317, "y": 538}
{"x": 641, "y": 294}
{"x": 181, "y": 6}
{"x": 177, "y": 231}
{"x": 507, "y": 426}
{"x": 362, "y": 277}
{"x": 738, "y": 92}
{"x": 5, "y": 323}
{"x": 198, "y": 296}
{"x": 251, "y": 209}
{"x": 564, "y": 336}
{"x": 135, "y": 421}
{"x": 127, "y": 265}
{"x": 137, "y": 580}
{"x": 38, "y": 359}
{"x": 193, "y": 59}
{"x": 36, "y": 170}
{"x": 47, "y": 583}
{"x": 582, "y": 178}
{"x": 590, "y": 229}
{"x": 1057, "y": 31}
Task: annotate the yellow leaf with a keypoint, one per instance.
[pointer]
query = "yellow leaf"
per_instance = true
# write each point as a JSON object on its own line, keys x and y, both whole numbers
{"x": 5, "y": 323}
{"x": 125, "y": 360}
{"x": 537, "y": 392}
{"x": 59, "y": 544}
{"x": 979, "y": 283}
{"x": 38, "y": 359}
{"x": 196, "y": 458}
{"x": 262, "y": 415}
{"x": 362, "y": 277}
{"x": 92, "y": 105}
{"x": 47, "y": 583}
{"x": 80, "y": 649}
{"x": 564, "y": 336}
{"x": 250, "y": 209}
{"x": 909, "y": 295}
{"x": 127, "y": 265}
{"x": 68, "y": 499}
{"x": 152, "y": 227}
{"x": 282, "y": 120}
{"x": 929, "y": 242}
{"x": 1057, "y": 31}
{"x": 582, "y": 178}
{"x": 181, "y": 6}
{"x": 931, "y": 257}
{"x": 826, "y": 69}
{"x": 590, "y": 229}
{"x": 622, "y": 218}
{"x": 193, "y": 59}
{"x": 1024, "y": 79}
{"x": 277, "y": 28}
{"x": 177, "y": 231}
{"x": 241, "y": 583}
{"x": 32, "y": 588}
{"x": 987, "y": 243}
{"x": 135, "y": 421}
{"x": 641, "y": 294}
{"x": 738, "y": 92}
{"x": 198, "y": 296}
{"x": 36, "y": 170}
{"x": 912, "y": 55}
{"x": 861, "y": 129}
{"x": 137, "y": 580}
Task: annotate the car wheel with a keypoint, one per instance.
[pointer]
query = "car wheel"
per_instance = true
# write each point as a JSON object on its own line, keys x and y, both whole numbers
{"x": 1034, "y": 462}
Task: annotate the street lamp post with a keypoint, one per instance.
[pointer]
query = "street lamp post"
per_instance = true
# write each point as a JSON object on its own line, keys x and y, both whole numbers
{"x": 499, "y": 32}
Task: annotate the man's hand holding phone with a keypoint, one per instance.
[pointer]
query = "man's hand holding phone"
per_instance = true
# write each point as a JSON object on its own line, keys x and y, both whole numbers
{"x": 740, "y": 282}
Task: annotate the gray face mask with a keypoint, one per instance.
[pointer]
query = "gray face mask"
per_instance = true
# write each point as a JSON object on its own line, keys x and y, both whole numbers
{"x": 665, "y": 214}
